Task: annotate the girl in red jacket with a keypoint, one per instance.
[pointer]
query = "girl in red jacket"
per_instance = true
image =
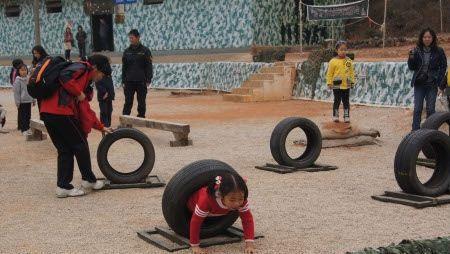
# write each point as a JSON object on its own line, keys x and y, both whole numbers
{"x": 224, "y": 194}
{"x": 67, "y": 117}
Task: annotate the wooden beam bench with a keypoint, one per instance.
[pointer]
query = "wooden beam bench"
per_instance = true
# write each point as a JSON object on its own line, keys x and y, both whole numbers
{"x": 180, "y": 131}
{"x": 37, "y": 128}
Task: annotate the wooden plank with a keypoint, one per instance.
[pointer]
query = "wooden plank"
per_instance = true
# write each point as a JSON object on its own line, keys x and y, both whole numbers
{"x": 154, "y": 124}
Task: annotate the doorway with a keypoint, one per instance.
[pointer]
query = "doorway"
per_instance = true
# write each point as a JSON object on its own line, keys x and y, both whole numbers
{"x": 102, "y": 32}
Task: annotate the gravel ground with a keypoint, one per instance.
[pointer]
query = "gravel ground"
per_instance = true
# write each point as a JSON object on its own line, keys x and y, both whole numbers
{"x": 328, "y": 212}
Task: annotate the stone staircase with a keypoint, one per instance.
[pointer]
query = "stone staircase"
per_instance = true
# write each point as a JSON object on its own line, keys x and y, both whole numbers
{"x": 269, "y": 84}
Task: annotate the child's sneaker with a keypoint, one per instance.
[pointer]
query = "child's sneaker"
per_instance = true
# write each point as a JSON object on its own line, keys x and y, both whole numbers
{"x": 25, "y": 133}
{"x": 336, "y": 116}
{"x": 64, "y": 193}
{"x": 346, "y": 116}
{"x": 98, "y": 185}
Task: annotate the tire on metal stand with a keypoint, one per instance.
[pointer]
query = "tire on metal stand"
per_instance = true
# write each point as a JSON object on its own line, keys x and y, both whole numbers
{"x": 180, "y": 188}
{"x": 406, "y": 157}
{"x": 136, "y": 176}
{"x": 313, "y": 146}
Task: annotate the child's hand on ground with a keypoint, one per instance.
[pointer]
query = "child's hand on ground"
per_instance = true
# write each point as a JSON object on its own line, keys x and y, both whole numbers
{"x": 249, "y": 248}
{"x": 198, "y": 250}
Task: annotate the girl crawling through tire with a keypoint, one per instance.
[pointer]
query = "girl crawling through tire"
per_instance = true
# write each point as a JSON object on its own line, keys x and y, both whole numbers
{"x": 223, "y": 195}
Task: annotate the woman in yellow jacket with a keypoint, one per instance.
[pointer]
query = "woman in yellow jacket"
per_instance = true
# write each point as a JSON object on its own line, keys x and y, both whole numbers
{"x": 340, "y": 78}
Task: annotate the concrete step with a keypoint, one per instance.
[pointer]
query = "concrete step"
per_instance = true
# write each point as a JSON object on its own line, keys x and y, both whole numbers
{"x": 272, "y": 70}
{"x": 253, "y": 83}
{"x": 262, "y": 76}
{"x": 243, "y": 91}
{"x": 237, "y": 98}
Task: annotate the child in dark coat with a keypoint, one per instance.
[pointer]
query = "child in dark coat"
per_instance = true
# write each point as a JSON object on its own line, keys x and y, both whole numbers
{"x": 105, "y": 96}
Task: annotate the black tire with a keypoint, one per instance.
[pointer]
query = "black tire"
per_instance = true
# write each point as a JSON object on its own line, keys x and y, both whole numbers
{"x": 434, "y": 122}
{"x": 278, "y": 142}
{"x": 406, "y": 157}
{"x": 182, "y": 185}
{"x": 135, "y": 176}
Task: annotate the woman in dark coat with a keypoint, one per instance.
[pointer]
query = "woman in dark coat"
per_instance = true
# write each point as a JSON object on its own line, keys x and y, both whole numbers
{"x": 429, "y": 63}
{"x": 39, "y": 54}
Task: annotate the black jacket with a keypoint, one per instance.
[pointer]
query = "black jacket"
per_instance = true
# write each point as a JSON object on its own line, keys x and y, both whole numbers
{"x": 437, "y": 68}
{"x": 137, "y": 64}
{"x": 81, "y": 37}
{"x": 105, "y": 85}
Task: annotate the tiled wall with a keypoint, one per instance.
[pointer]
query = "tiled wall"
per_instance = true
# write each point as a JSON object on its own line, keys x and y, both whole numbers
{"x": 188, "y": 24}
{"x": 222, "y": 76}
{"x": 53, "y": 25}
{"x": 17, "y": 33}
{"x": 271, "y": 14}
{"x": 381, "y": 83}
{"x": 378, "y": 83}
{"x": 175, "y": 24}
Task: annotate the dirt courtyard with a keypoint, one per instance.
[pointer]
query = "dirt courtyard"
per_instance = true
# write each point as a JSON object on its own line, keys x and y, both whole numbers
{"x": 324, "y": 212}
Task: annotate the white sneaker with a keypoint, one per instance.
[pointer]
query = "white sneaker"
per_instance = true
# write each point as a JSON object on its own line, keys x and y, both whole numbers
{"x": 63, "y": 193}
{"x": 98, "y": 185}
{"x": 336, "y": 119}
{"x": 347, "y": 119}
{"x": 25, "y": 133}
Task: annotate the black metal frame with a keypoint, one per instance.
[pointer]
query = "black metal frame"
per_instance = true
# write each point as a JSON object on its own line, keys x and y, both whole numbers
{"x": 152, "y": 181}
{"x": 168, "y": 240}
{"x": 286, "y": 169}
{"x": 416, "y": 201}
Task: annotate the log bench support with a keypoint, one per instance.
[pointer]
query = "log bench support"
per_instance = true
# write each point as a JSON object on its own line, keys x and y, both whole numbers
{"x": 37, "y": 128}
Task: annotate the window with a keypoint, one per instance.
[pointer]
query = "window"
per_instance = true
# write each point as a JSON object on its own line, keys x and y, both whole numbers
{"x": 149, "y": 2}
{"x": 12, "y": 11}
{"x": 53, "y": 6}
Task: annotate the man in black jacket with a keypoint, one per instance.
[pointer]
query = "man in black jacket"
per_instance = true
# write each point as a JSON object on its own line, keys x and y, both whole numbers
{"x": 81, "y": 39}
{"x": 137, "y": 73}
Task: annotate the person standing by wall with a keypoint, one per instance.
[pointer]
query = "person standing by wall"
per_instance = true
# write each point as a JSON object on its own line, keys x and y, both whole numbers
{"x": 12, "y": 78}
{"x": 39, "y": 54}
{"x": 429, "y": 63}
{"x": 137, "y": 73}
{"x": 68, "y": 42}
{"x": 23, "y": 100}
{"x": 81, "y": 40}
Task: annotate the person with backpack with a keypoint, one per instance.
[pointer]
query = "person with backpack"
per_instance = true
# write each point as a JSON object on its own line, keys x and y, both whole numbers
{"x": 137, "y": 73}
{"x": 67, "y": 117}
{"x": 105, "y": 96}
{"x": 23, "y": 100}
